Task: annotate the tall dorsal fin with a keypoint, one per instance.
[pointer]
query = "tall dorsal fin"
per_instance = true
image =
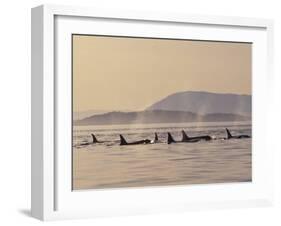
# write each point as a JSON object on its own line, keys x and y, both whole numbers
{"x": 122, "y": 140}
{"x": 156, "y": 137}
{"x": 228, "y": 133}
{"x": 184, "y": 136}
{"x": 170, "y": 139}
{"x": 95, "y": 140}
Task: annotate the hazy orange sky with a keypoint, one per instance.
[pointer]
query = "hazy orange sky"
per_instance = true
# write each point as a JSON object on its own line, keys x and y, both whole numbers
{"x": 113, "y": 73}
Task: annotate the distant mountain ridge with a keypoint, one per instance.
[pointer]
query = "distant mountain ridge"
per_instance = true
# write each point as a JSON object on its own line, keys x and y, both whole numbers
{"x": 157, "y": 116}
{"x": 189, "y": 106}
{"x": 205, "y": 103}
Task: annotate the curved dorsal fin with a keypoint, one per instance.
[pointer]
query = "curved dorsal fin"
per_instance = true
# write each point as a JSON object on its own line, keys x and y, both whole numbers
{"x": 122, "y": 140}
{"x": 184, "y": 136}
{"x": 95, "y": 140}
{"x": 228, "y": 133}
{"x": 170, "y": 138}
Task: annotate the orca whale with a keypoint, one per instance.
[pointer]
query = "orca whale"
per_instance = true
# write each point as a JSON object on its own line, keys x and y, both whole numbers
{"x": 186, "y": 138}
{"x": 172, "y": 140}
{"x": 156, "y": 140}
{"x": 94, "y": 141}
{"x": 145, "y": 141}
{"x": 230, "y": 136}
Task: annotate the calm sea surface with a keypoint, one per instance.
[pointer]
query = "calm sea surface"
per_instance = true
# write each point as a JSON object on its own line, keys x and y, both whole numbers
{"x": 109, "y": 165}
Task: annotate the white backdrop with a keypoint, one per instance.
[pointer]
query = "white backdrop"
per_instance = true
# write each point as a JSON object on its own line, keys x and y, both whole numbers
{"x": 15, "y": 111}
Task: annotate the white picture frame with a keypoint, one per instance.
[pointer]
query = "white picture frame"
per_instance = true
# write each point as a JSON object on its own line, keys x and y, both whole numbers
{"x": 52, "y": 197}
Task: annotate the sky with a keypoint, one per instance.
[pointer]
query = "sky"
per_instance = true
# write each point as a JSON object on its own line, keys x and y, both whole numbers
{"x": 130, "y": 74}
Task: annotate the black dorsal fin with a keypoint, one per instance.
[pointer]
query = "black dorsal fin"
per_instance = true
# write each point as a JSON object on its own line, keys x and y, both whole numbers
{"x": 156, "y": 137}
{"x": 184, "y": 136}
{"x": 95, "y": 140}
{"x": 228, "y": 133}
{"x": 122, "y": 140}
{"x": 170, "y": 139}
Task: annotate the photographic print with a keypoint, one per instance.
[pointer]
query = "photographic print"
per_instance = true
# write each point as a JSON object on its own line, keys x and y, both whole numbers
{"x": 160, "y": 112}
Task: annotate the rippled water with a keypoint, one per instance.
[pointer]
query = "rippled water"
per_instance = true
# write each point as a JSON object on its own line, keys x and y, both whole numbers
{"x": 109, "y": 165}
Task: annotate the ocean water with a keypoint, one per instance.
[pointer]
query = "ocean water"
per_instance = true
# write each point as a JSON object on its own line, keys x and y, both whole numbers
{"x": 109, "y": 165}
